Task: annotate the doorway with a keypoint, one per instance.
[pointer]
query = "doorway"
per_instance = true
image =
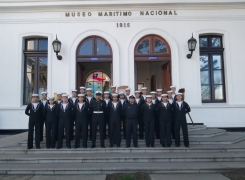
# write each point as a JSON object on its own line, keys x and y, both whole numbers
{"x": 152, "y": 63}
{"x": 94, "y": 64}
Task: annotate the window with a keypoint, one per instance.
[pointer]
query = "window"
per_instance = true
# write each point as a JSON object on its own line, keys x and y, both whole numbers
{"x": 35, "y": 67}
{"x": 212, "y": 69}
{"x": 98, "y": 81}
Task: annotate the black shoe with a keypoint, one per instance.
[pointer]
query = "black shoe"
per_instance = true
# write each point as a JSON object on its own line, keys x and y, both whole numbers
{"x": 168, "y": 145}
{"x": 147, "y": 146}
{"x": 48, "y": 147}
{"x": 102, "y": 146}
{"x": 136, "y": 146}
{"x": 75, "y": 147}
{"x": 177, "y": 145}
{"x": 30, "y": 148}
{"x": 68, "y": 147}
{"x": 163, "y": 146}
{"x": 84, "y": 147}
{"x": 92, "y": 147}
{"x": 118, "y": 146}
{"x": 58, "y": 147}
{"x": 38, "y": 147}
{"x": 127, "y": 146}
{"x": 187, "y": 146}
{"x": 153, "y": 146}
{"x": 111, "y": 146}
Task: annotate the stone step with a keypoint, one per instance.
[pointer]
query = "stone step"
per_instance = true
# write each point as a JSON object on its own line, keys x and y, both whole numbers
{"x": 109, "y": 168}
{"x": 123, "y": 158}
{"x": 226, "y": 138}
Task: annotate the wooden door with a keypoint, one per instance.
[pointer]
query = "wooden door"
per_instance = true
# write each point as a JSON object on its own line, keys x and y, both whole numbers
{"x": 136, "y": 76}
{"x": 80, "y": 75}
{"x": 166, "y": 77}
{"x": 153, "y": 83}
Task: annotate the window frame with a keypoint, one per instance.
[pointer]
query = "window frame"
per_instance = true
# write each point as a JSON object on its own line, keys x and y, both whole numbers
{"x": 34, "y": 54}
{"x": 210, "y": 52}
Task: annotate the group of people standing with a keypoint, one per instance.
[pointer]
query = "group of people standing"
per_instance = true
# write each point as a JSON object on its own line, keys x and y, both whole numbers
{"x": 157, "y": 115}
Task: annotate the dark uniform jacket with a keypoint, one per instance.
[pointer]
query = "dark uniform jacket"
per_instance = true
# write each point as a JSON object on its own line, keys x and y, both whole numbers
{"x": 180, "y": 112}
{"x": 165, "y": 113}
{"x": 81, "y": 114}
{"x": 148, "y": 112}
{"x": 65, "y": 114}
{"x": 114, "y": 113}
{"x": 131, "y": 111}
{"x": 50, "y": 113}
{"x": 34, "y": 114}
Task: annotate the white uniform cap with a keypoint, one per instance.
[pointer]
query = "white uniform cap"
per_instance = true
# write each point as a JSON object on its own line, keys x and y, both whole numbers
{"x": 89, "y": 89}
{"x": 73, "y": 90}
{"x": 98, "y": 92}
{"x": 106, "y": 92}
{"x": 59, "y": 93}
{"x": 159, "y": 90}
{"x": 179, "y": 94}
{"x": 143, "y": 88}
{"x": 148, "y": 96}
{"x": 114, "y": 95}
{"x": 164, "y": 95}
{"x": 113, "y": 86}
{"x": 35, "y": 95}
{"x": 152, "y": 92}
{"x": 169, "y": 92}
{"x": 81, "y": 95}
{"x": 50, "y": 97}
{"x": 44, "y": 92}
{"x": 121, "y": 92}
{"x": 127, "y": 89}
{"x": 64, "y": 95}
{"x": 172, "y": 87}
{"x": 137, "y": 91}
{"x": 82, "y": 87}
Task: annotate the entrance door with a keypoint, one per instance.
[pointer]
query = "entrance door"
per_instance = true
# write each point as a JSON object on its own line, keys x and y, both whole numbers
{"x": 166, "y": 77}
{"x": 94, "y": 64}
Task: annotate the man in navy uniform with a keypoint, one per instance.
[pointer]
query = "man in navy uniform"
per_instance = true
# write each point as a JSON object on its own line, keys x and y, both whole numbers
{"x": 81, "y": 111}
{"x": 180, "y": 108}
{"x": 51, "y": 121}
{"x": 82, "y": 90}
{"x": 156, "y": 125}
{"x": 171, "y": 100}
{"x": 113, "y": 91}
{"x": 131, "y": 112}
{"x": 127, "y": 93}
{"x": 115, "y": 111}
{"x": 144, "y": 92}
{"x": 58, "y": 101}
{"x": 139, "y": 101}
{"x": 173, "y": 89}
{"x": 98, "y": 110}
{"x": 107, "y": 118}
{"x": 34, "y": 110}
{"x": 123, "y": 101}
{"x": 89, "y": 99}
{"x": 65, "y": 114}
{"x": 73, "y": 100}
{"x": 44, "y": 102}
{"x": 159, "y": 98}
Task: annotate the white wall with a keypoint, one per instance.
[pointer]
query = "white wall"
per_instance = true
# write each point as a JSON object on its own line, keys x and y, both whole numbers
{"x": 15, "y": 25}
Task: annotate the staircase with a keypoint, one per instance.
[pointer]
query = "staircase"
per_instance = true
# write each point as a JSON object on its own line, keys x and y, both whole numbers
{"x": 211, "y": 151}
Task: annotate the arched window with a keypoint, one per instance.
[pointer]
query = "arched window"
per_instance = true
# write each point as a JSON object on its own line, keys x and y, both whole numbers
{"x": 152, "y": 47}
{"x": 98, "y": 81}
{"x": 94, "y": 48}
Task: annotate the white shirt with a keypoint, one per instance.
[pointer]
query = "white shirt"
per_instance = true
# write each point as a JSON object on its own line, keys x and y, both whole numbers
{"x": 179, "y": 103}
{"x": 89, "y": 98}
{"x": 170, "y": 101}
{"x": 153, "y": 101}
{"x": 51, "y": 105}
{"x": 144, "y": 96}
{"x": 73, "y": 100}
{"x": 59, "y": 102}
{"x": 80, "y": 105}
{"x": 114, "y": 104}
{"x": 173, "y": 96}
{"x": 35, "y": 105}
{"x": 128, "y": 97}
{"x": 122, "y": 100}
{"x": 165, "y": 104}
{"x": 107, "y": 100}
{"x": 159, "y": 98}
{"x": 44, "y": 102}
{"x": 64, "y": 105}
{"x": 137, "y": 101}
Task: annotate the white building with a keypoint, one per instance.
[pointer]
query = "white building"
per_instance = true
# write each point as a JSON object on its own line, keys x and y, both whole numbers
{"x": 131, "y": 43}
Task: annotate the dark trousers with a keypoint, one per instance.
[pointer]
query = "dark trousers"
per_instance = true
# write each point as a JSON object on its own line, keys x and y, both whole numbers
{"x": 98, "y": 120}
{"x": 81, "y": 125}
{"x": 50, "y": 134}
{"x": 31, "y": 126}
{"x": 89, "y": 131}
{"x": 184, "y": 131}
{"x": 165, "y": 132}
{"x": 41, "y": 128}
{"x": 115, "y": 132}
{"x": 141, "y": 128}
{"x": 157, "y": 127}
{"x": 173, "y": 129}
{"x": 107, "y": 123}
{"x": 149, "y": 132}
{"x": 64, "y": 125}
{"x": 123, "y": 122}
{"x": 72, "y": 128}
{"x": 56, "y": 132}
{"x": 131, "y": 127}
